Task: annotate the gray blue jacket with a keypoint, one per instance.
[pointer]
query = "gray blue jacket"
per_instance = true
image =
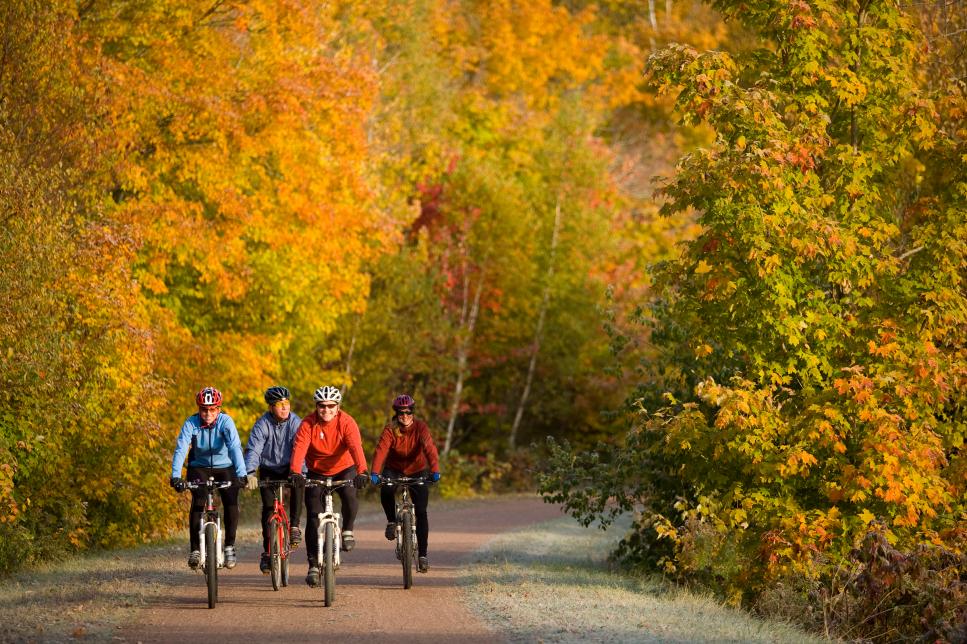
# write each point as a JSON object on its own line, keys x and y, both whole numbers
{"x": 270, "y": 443}
{"x": 215, "y": 446}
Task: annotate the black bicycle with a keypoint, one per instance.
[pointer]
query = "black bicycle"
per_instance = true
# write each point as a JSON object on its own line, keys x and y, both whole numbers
{"x": 406, "y": 546}
{"x": 212, "y": 554}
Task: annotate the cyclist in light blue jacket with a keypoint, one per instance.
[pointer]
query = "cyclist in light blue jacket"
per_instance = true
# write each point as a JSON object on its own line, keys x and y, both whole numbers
{"x": 269, "y": 451}
{"x": 210, "y": 443}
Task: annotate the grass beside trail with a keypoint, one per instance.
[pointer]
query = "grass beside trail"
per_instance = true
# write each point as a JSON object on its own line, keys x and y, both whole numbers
{"x": 550, "y": 583}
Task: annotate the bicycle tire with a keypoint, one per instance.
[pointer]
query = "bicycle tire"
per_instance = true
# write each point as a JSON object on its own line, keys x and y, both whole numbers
{"x": 211, "y": 564}
{"x": 406, "y": 533}
{"x": 285, "y": 571}
{"x": 275, "y": 556}
{"x": 329, "y": 564}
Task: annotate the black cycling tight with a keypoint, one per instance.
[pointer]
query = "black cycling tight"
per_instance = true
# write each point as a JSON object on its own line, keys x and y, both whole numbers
{"x": 229, "y": 496}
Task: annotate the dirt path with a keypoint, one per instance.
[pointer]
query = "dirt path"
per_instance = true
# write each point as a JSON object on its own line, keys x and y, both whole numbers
{"x": 370, "y": 606}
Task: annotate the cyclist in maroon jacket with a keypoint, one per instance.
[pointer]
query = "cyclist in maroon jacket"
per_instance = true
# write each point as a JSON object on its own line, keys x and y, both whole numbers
{"x": 406, "y": 448}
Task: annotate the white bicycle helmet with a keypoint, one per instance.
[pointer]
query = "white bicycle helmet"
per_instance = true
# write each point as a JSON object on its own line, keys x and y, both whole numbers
{"x": 327, "y": 394}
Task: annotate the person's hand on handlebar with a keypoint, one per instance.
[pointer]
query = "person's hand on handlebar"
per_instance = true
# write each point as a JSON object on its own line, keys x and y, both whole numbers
{"x": 251, "y": 481}
{"x": 435, "y": 477}
{"x": 360, "y": 481}
{"x": 178, "y": 483}
{"x": 297, "y": 480}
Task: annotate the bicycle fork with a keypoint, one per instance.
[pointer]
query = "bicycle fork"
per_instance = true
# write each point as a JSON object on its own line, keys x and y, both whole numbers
{"x": 325, "y": 518}
{"x": 220, "y": 551}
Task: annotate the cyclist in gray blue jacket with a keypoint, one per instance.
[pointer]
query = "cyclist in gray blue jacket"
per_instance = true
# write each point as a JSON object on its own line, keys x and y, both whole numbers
{"x": 269, "y": 451}
{"x": 210, "y": 443}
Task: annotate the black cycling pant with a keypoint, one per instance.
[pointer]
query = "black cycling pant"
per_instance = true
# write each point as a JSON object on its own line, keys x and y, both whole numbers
{"x": 293, "y": 508}
{"x": 229, "y": 496}
{"x": 421, "y": 498}
{"x": 315, "y": 506}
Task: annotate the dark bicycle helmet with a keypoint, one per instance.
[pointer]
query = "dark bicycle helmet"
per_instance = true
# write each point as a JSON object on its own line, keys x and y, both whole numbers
{"x": 403, "y": 401}
{"x": 209, "y": 397}
{"x": 276, "y": 394}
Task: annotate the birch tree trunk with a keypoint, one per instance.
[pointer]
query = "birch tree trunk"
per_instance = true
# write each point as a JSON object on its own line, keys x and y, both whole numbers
{"x": 468, "y": 321}
{"x": 538, "y": 331}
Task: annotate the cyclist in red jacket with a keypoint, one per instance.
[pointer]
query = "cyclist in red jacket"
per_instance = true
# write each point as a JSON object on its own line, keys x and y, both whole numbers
{"x": 407, "y": 449}
{"x": 329, "y": 444}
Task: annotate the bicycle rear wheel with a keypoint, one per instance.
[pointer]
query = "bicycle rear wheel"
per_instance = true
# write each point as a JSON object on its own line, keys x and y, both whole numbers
{"x": 407, "y": 536}
{"x": 329, "y": 563}
{"x": 275, "y": 554}
{"x": 211, "y": 564}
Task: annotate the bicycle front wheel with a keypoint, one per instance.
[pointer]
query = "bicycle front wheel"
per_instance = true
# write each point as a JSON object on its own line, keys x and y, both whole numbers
{"x": 406, "y": 533}
{"x": 275, "y": 554}
{"x": 329, "y": 563}
{"x": 211, "y": 564}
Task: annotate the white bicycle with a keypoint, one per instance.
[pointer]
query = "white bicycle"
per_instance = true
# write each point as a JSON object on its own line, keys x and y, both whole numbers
{"x": 330, "y": 535}
{"x": 210, "y": 536}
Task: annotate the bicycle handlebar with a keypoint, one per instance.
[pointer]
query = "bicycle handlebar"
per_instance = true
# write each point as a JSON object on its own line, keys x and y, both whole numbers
{"x": 214, "y": 485}
{"x": 329, "y": 484}
{"x": 405, "y": 480}
{"x": 268, "y": 483}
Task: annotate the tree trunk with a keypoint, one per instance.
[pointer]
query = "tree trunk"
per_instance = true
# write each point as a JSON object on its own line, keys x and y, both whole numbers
{"x": 468, "y": 321}
{"x": 538, "y": 331}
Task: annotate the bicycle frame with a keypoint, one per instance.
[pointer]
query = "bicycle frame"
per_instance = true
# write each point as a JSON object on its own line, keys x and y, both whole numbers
{"x": 211, "y": 516}
{"x": 329, "y": 516}
{"x": 278, "y": 511}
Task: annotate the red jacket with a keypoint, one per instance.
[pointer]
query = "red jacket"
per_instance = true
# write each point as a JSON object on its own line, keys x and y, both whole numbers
{"x": 408, "y": 450}
{"x": 328, "y": 448}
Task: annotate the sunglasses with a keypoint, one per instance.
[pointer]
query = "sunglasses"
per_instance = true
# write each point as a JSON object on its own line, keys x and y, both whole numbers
{"x": 405, "y": 412}
{"x": 326, "y": 405}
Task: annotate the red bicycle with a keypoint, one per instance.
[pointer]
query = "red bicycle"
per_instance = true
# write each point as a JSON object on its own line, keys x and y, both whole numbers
{"x": 279, "y": 546}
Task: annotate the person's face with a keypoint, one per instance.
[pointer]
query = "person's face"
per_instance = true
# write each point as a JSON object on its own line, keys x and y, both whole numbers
{"x": 281, "y": 409}
{"x": 405, "y": 416}
{"x": 208, "y": 414}
{"x": 326, "y": 410}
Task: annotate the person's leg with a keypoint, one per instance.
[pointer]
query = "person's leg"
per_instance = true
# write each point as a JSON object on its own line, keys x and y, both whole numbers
{"x": 194, "y": 518}
{"x": 268, "y": 505}
{"x": 387, "y": 496}
{"x": 347, "y": 497}
{"x": 313, "y": 499}
{"x": 229, "y": 497}
{"x": 421, "y": 497}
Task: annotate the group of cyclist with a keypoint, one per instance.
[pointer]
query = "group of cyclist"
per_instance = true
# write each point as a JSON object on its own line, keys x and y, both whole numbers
{"x": 324, "y": 444}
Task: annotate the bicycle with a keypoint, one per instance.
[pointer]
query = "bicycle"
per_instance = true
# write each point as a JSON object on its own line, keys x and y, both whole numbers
{"x": 279, "y": 545}
{"x": 406, "y": 546}
{"x": 330, "y": 535}
{"x": 212, "y": 554}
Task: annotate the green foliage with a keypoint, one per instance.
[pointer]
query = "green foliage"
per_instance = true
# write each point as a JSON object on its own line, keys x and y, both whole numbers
{"x": 808, "y": 366}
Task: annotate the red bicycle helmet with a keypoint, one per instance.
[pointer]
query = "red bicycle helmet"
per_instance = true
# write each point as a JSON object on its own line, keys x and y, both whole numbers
{"x": 209, "y": 397}
{"x": 403, "y": 401}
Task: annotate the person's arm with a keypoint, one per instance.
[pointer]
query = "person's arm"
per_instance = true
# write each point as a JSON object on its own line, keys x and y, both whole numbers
{"x": 300, "y": 445}
{"x": 182, "y": 445}
{"x": 256, "y": 443}
{"x": 429, "y": 448}
{"x": 234, "y": 445}
{"x": 354, "y": 441}
{"x": 382, "y": 449}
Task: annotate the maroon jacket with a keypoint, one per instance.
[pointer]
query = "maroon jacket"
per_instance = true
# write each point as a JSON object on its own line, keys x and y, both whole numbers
{"x": 408, "y": 450}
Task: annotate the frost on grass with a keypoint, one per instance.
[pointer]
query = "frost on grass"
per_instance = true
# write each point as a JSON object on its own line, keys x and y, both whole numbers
{"x": 550, "y": 583}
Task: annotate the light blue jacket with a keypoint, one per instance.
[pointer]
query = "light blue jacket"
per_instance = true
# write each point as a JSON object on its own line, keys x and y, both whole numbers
{"x": 216, "y": 446}
{"x": 270, "y": 443}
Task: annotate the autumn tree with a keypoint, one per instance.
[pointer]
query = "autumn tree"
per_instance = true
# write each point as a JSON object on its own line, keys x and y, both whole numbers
{"x": 810, "y": 359}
